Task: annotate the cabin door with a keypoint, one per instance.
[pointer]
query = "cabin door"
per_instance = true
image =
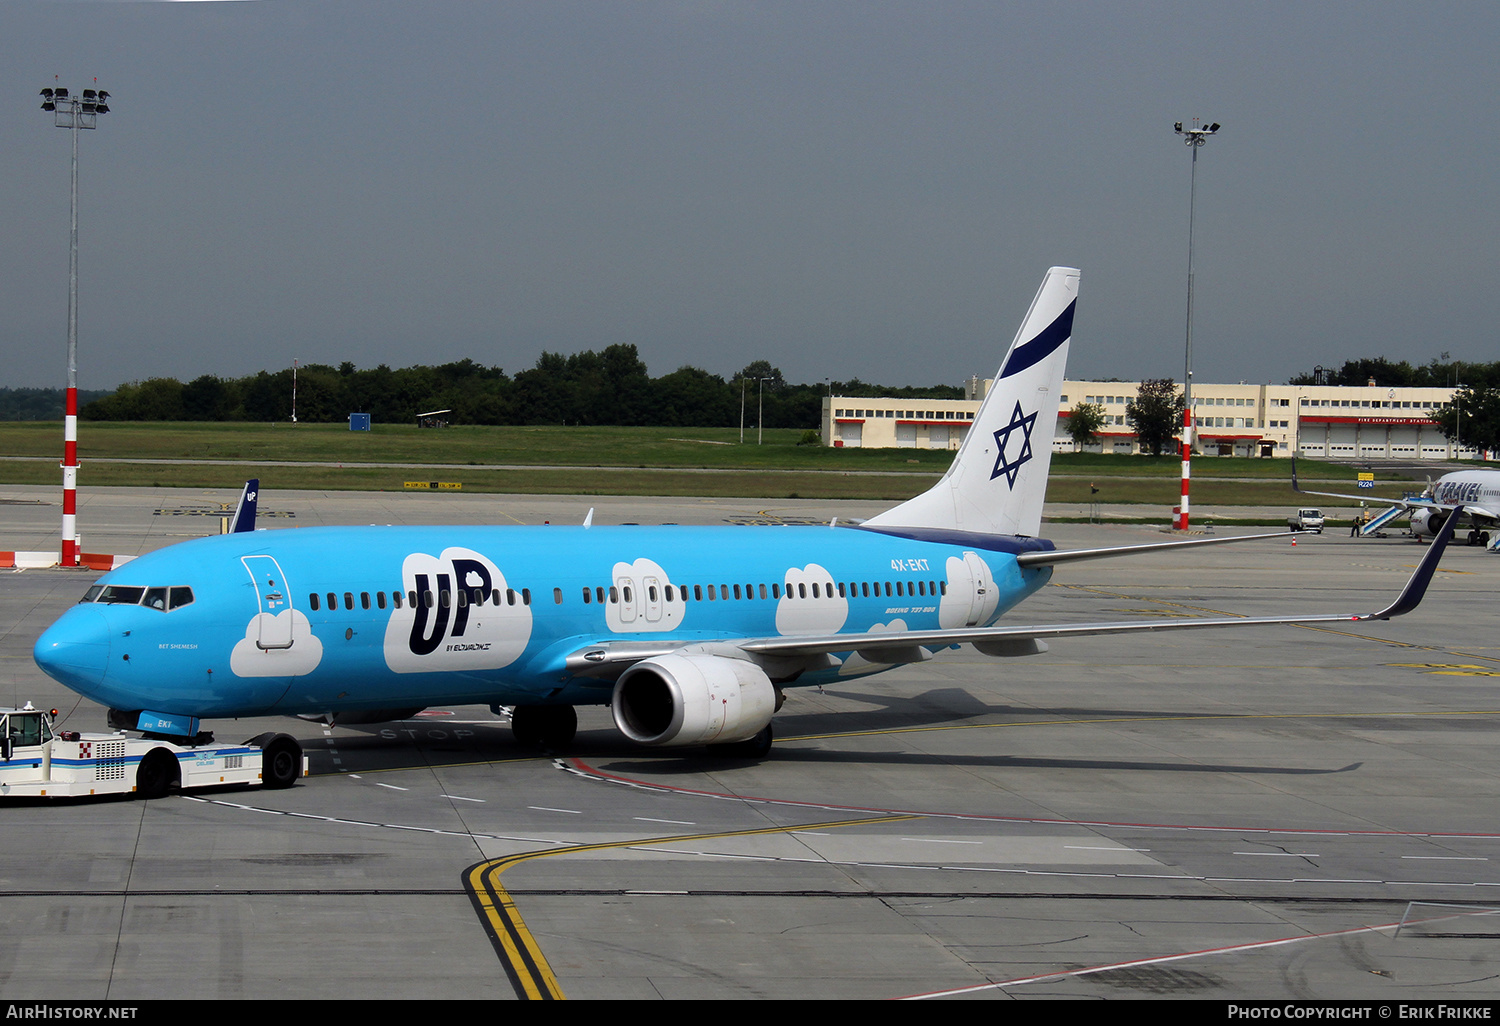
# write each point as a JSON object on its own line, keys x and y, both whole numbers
{"x": 273, "y": 598}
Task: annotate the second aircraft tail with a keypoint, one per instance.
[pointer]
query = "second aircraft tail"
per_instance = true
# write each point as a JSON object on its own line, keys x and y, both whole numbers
{"x": 998, "y": 480}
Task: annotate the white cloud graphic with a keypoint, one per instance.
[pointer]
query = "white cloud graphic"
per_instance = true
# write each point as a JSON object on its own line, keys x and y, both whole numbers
{"x": 471, "y": 636}
{"x": 972, "y": 595}
{"x": 810, "y": 603}
{"x": 647, "y": 607}
{"x": 248, "y": 659}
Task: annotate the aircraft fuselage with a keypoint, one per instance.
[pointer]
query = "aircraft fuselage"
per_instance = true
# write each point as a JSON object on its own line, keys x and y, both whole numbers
{"x": 310, "y": 620}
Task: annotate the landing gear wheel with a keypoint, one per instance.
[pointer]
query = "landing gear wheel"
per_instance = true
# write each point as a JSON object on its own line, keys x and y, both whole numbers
{"x": 757, "y": 747}
{"x": 280, "y": 763}
{"x": 544, "y": 726}
{"x": 1473, "y": 537}
{"x": 157, "y": 774}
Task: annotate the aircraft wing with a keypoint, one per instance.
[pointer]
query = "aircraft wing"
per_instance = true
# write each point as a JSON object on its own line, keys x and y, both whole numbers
{"x": 609, "y": 658}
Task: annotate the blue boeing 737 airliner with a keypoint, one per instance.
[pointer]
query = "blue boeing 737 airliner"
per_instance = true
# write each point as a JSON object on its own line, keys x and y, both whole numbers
{"x": 689, "y": 634}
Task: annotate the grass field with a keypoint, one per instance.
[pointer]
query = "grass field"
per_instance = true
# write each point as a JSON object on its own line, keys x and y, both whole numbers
{"x": 602, "y": 460}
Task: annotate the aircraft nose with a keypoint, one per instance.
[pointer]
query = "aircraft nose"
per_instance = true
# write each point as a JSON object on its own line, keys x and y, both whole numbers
{"x": 75, "y": 649}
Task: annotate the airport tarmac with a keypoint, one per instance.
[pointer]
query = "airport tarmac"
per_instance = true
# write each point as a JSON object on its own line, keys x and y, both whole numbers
{"x": 1277, "y": 813}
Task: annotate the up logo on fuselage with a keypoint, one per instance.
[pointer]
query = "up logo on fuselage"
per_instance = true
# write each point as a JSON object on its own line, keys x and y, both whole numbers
{"x": 454, "y": 624}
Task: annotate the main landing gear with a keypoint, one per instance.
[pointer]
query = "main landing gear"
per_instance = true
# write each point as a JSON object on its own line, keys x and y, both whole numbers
{"x": 757, "y": 747}
{"x": 544, "y": 726}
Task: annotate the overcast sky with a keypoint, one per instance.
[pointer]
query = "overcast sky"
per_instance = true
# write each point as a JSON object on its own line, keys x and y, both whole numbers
{"x": 845, "y": 189}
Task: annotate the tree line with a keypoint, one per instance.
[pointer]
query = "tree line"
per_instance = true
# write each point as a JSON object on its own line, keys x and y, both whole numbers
{"x": 612, "y": 387}
{"x": 40, "y": 403}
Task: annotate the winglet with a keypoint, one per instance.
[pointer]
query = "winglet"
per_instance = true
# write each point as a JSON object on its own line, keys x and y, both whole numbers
{"x": 244, "y": 513}
{"x": 1422, "y": 576}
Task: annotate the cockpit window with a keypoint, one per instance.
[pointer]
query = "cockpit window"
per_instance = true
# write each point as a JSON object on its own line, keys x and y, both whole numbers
{"x": 122, "y": 595}
{"x": 153, "y": 598}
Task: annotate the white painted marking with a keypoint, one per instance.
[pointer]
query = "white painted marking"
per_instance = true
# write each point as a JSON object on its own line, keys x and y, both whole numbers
{"x": 1282, "y": 854}
{"x": 1102, "y": 847}
{"x": 461, "y": 798}
{"x": 938, "y": 840}
{"x": 1447, "y": 858}
{"x": 393, "y": 787}
{"x": 543, "y": 808}
{"x": 674, "y": 822}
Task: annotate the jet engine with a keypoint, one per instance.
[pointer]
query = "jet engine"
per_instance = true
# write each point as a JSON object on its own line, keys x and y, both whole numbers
{"x": 693, "y": 699}
{"x": 1428, "y": 521}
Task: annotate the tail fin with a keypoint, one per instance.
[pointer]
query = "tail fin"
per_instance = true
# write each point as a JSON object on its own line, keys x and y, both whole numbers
{"x": 998, "y": 480}
{"x": 244, "y": 513}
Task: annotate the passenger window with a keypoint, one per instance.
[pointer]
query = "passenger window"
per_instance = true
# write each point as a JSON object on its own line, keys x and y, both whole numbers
{"x": 599, "y": 594}
{"x": 557, "y": 596}
{"x": 697, "y": 593}
{"x": 411, "y": 597}
{"x": 614, "y": 595}
{"x": 525, "y": 596}
{"x": 348, "y": 600}
{"x": 364, "y": 600}
{"x": 396, "y": 599}
{"x": 588, "y": 596}
{"x": 762, "y": 591}
{"x": 428, "y": 600}
{"x": 333, "y": 601}
{"x": 312, "y": 600}
{"x": 463, "y": 598}
{"x": 776, "y": 591}
{"x": 510, "y": 596}
{"x": 380, "y": 599}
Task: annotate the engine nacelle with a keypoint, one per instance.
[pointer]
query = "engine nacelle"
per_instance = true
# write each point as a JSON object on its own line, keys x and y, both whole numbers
{"x": 1428, "y": 521}
{"x": 692, "y": 699}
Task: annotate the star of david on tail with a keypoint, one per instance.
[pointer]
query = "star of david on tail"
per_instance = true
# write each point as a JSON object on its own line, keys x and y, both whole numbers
{"x": 1010, "y": 468}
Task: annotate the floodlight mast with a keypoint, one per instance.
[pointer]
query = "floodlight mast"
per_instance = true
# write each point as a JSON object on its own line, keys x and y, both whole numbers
{"x": 76, "y": 113}
{"x": 1194, "y": 137}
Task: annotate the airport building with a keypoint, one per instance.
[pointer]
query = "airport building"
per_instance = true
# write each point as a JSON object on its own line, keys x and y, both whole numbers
{"x": 1326, "y": 421}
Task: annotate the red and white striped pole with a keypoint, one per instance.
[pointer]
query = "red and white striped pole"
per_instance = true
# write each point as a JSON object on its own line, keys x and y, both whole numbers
{"x": 74, "y": 113}
{"x": 69, "y": 554}
{"x": 1194, "y": 137}
{"x": 1187, "y": 460}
